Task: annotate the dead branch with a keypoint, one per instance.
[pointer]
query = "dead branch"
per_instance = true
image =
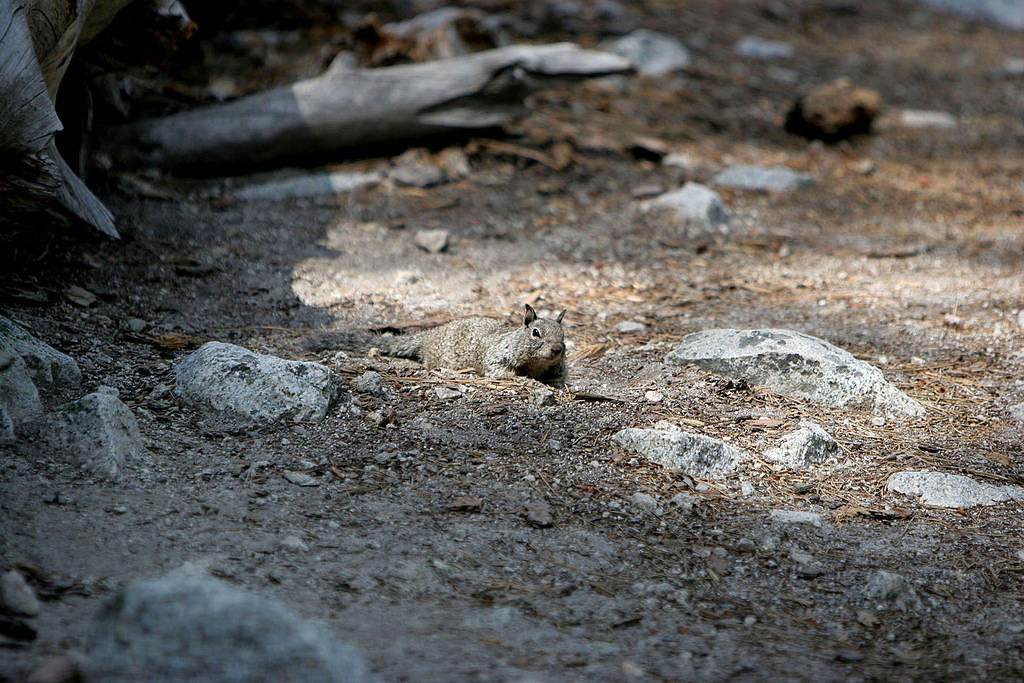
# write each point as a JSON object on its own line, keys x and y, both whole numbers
{"x": 355, "y": 107}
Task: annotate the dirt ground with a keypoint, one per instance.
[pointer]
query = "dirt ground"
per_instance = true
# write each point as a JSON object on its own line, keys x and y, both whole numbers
{"x": 907, "y": 251}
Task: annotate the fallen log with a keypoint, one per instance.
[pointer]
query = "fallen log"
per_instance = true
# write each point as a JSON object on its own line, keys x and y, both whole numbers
{"x": 344, "y": 108}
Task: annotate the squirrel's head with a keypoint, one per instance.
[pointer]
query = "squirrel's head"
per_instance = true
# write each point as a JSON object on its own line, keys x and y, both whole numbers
{"x": 546, "y": 334}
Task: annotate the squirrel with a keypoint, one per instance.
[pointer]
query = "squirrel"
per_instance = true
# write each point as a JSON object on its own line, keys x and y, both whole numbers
{"x": 489, "y": 347}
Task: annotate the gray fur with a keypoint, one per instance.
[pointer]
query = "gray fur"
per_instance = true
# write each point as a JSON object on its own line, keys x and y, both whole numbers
{"x": 489, "y": 347}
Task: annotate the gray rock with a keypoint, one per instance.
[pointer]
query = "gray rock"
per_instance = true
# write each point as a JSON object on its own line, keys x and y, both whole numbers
{"x": 49, "y": 367}
{"x": 421, "y": 175}
{"x": 752, "y": 47}
{"x": 300, "y": 478}
{"x": 1011, "y": 68}
{"x": 893, "y": 589}
{"x": 182, "y": 628}
{"x": 951, "y": 490}
{"x": 692, "y": 203}
{"x": 369, "y": 382}
{"x": 309, "y": 186}
{"x": 805, "y": 445}
{"x": 19, "y": 397}
{"x": 136, "y": 324}
{"x": 679, "y": 451}
{"x": 543, "y": 397}
{"x": 683, "y": 501}
{"x": 1017, "y": 412}
{"x": 795, "y": 517}
{"x": 293, "y": 544}
{"x": 923, "y": 118}
{"x": 434, "y": 241}
{"x": 17, "y": 596}
{"x": 98, "y": 432}
{"x": 539, "y": 514}
{"x": 447, "y": 393}
{"x": 246, "y": 388}
{"x": 795, "y": 364}
{"x": 651, "y": 53}
{"x": 644, "y": 501}
{"x": 629, "y": 327}
{"x": 763, "y": 178}
{"x": 1008, "y": 13}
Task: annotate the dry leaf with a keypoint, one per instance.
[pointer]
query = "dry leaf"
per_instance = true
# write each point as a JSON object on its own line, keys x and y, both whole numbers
{"x": 465, "y": 504}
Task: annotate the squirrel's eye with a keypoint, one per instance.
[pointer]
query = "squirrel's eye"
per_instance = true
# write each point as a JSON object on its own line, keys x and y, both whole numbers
{"x": 536, "y": 332}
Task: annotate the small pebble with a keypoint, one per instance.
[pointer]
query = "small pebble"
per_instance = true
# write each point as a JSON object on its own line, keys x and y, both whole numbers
{"x": 300, "y": 478}
{"x": 921, "y": 118}
{"x": 745, "y": 545}
{"x": 447, "y": 393}
{"x": 542, "y": 397}
{"x": 420, "y": 175}
{"x": 539, "y": 514}
{"x": 683, "y": 501}
{"x": 629, "y": 327}
{"x": 293, "y": 543}
{"x": 795, "y": 517}
{"x": 644, "y": 501}
{"x": 753, "y": 47}
{"x": 370, "y": 383}
{"x": 434, "y": 241}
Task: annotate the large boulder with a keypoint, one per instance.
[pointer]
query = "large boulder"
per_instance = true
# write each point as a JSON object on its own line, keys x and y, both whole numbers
{"x": 795, "y": 364}
{"x": 242, "y": 387}
{"x": 185, "y": 628}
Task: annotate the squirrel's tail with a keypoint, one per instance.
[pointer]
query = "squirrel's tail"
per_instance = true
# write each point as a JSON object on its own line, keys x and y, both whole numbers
{"x": 400, "y": 346}
{"x": 352, "y": 341}
{"x": 361, "y": 341}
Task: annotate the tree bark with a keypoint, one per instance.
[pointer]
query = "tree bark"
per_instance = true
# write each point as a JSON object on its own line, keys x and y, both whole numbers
{"x": 37, "y": 41}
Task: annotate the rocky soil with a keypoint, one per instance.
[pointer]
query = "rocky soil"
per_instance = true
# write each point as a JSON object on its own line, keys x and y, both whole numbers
{"x": 459, "y": 528}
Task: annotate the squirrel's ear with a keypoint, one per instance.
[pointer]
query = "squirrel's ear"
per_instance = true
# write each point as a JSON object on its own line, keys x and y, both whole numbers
{"x": 531, "y": 315}
{"x": 560, "y": 316}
